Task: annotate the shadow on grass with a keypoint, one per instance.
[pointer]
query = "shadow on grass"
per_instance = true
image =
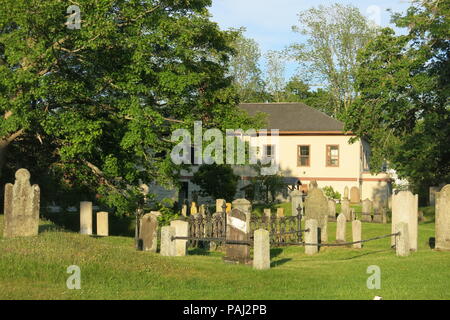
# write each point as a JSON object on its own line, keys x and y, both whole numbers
{"x": 199, "y": 252}
{"x": 280, "y": 262}
{"x": 366, "y": 254}
{"x": 275, "y": 252}
{"x": 48, "y": 227}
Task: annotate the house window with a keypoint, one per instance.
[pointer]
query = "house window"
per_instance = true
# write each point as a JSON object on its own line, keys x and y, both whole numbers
{"x": 303, "y": 156}
{"x": 269, "y": 151}
{"x": 332, "y": 156}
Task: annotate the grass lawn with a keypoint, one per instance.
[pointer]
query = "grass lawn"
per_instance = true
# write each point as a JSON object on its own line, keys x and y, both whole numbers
{"x": 35, "y": 268}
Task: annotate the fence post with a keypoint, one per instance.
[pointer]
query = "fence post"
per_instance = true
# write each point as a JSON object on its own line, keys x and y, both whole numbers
{"x": 402, "y": 248}
{"x": 261, "y": 250}
{"x": 181, "y": 230}
{"x": 311, "y": 236}
{"x": 167, "y": 244}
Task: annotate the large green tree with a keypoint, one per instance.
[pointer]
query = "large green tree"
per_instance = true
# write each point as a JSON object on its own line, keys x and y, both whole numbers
{"x": 403, "y": 108}
{"x": 104, "y": 99}
{"x": 328, "y": 56}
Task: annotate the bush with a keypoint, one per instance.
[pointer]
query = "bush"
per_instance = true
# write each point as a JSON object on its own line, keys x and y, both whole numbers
{"x": 331, "y": 193}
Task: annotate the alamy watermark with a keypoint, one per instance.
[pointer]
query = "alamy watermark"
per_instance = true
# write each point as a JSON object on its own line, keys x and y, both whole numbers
{"x": 74, "y": 281}
{"x": 374, "y": 281}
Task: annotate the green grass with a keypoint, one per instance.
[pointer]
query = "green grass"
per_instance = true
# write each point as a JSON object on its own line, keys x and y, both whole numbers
{"x": 35, "y": 268}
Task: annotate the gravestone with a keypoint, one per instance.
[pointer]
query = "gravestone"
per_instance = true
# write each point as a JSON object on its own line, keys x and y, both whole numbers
{"x": 219, "y": 205}
{"x": 433, "y": 192}
{"x": 366, "y": 215}
{"x": 238, "y": 228}
{"x": 356, "y": 233}
{"x": 228, "y": 207}
{"x": 268, "y": 214}
{"x": 86, "y": 217}
{"x": 345, "y": 209}
{"x": 181, "y": 230}
{"x": 148, "y": 232}
{"x": 340, "y": 228}
{"x": 311, "y": 237}
{"x": 280, "y": 212}
{"x": 168, "y": 248}
{"x": 316, "y": 207}
{"x": 313, "y": 185}
{"x": 345, "y": 192}
{"x": 296, "y": 200}
{"x": 379, "y": 201}
{"x": 194, "y": 209}
{"x": 354, "y": 195}
{"x": 21, "y": 207}
{"x": 402, "y": 247}
{"x": 443, "y": 219}
{"x": 242, "y": 204}
{"x": 202, "y": 210}
{"x": 102, "y": 224}
{"x": 331, "y": 210}
{"x": 405, "y": 209}
{"x": 184, "y": 210}
{"x": 261, "y": 250}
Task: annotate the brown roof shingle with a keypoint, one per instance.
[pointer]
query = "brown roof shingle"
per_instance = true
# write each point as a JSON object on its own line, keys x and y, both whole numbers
{"x": 294, "y": 117}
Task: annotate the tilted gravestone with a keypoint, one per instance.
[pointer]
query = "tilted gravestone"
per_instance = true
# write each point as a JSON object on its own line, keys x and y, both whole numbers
{"x": 22, "y": 201}
{"x": 238, "y": 229}
{"x": 316, "y": 207}
{"x": 366, "y": 215}
{"x": 296, "y": 201}
{"x": 443, "y": 219}
{"x": 405, "y": 209}
{"x": 354, "y": 195}
{"x": 148, "y": 232}
{"x": 345, "y": 209}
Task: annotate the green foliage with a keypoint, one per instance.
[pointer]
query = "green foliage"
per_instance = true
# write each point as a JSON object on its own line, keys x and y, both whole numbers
{"x": 216, "y": 181}
{"x": 263, "y": 186}
{"x": 103, "y": 100}
{"x": 330, "y": 193}
{"x": 403, "y": 109}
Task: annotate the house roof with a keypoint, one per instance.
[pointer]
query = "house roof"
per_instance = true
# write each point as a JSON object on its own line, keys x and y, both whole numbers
{"x": 295, "y": 117}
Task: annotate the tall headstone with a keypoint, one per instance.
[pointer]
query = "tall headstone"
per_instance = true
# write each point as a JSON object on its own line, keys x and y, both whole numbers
{"x": 402, "y": 247}
{"x": 86, "y": 217}
{"x": 340, "y": 228}
{"x": 168, "y": 248}
{"x": 366, "y": 211}
{"x": 261, "y": 250}
{"x": 21, "y": 207}
{"x": 219, "y": 204}
{"x": 280, "y": 212}
{"x": 102, "y": 224}
{"x": 354, "y": 195}
{"x": 316, "y": 207}
{"x": 311, "y": 237}
{"x": 296, "y": 201}
{"x": 356, "y": 233}
{"x": 238, "y": 228}
{"x": 345, "y": 192}
{"x": 331, "y": 210}
{"x": 433, "y": 191}
{"x": 181, "y": 230}
{"x": 148, "y": 232}
{"x": 345, "y": 209}
{"x": 443, "y": 219}
{"x": 405, "y": 207}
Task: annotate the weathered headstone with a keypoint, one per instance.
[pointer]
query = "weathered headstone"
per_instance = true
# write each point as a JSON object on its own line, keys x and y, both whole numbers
{"x": 405, "y": 209}
{"x": 86, "y": 217}
{"x": 261, "y": 250}
{"x": 443, "y": 219}
{"x": 202, "y": 210}
{"x": 331, "y": 210}
{"x": 244, "y": 205}
{"x": 316, "y": 207}
{"x": 102, "y": 224}
{"x": 268, "y": 214}
{"x": 21, "y": 207}
{"x": 168, "y": 248}
{"x": 148, "y": 232}
{"x": 194, "y": 209}
{"x": 340, "y": 228}
{"x": 402, "y": 247}
{"x": 238, "y": 228}
{"x": 345, "y": 209}
{"x": 280, "y": 212}
{"x": 345, "y": 193}
{"x": 366, "y": 215}
{"x": 354, "y": 195}
{"x": 181, "y": 230}
{"x": 356, "y": 232}
{"x": 433, "y": 192}
{"x": 311, "y": 237}
{"x": 184, "y": 210}
{"x": 296, "y": 201}
{"x": 219, "y": 204}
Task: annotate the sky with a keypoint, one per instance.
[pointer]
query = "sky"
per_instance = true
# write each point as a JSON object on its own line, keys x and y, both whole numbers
{"x": 269, "y": 22}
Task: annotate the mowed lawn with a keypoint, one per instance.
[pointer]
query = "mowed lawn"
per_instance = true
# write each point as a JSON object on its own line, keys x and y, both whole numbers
{"x": 36, "y": 268}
